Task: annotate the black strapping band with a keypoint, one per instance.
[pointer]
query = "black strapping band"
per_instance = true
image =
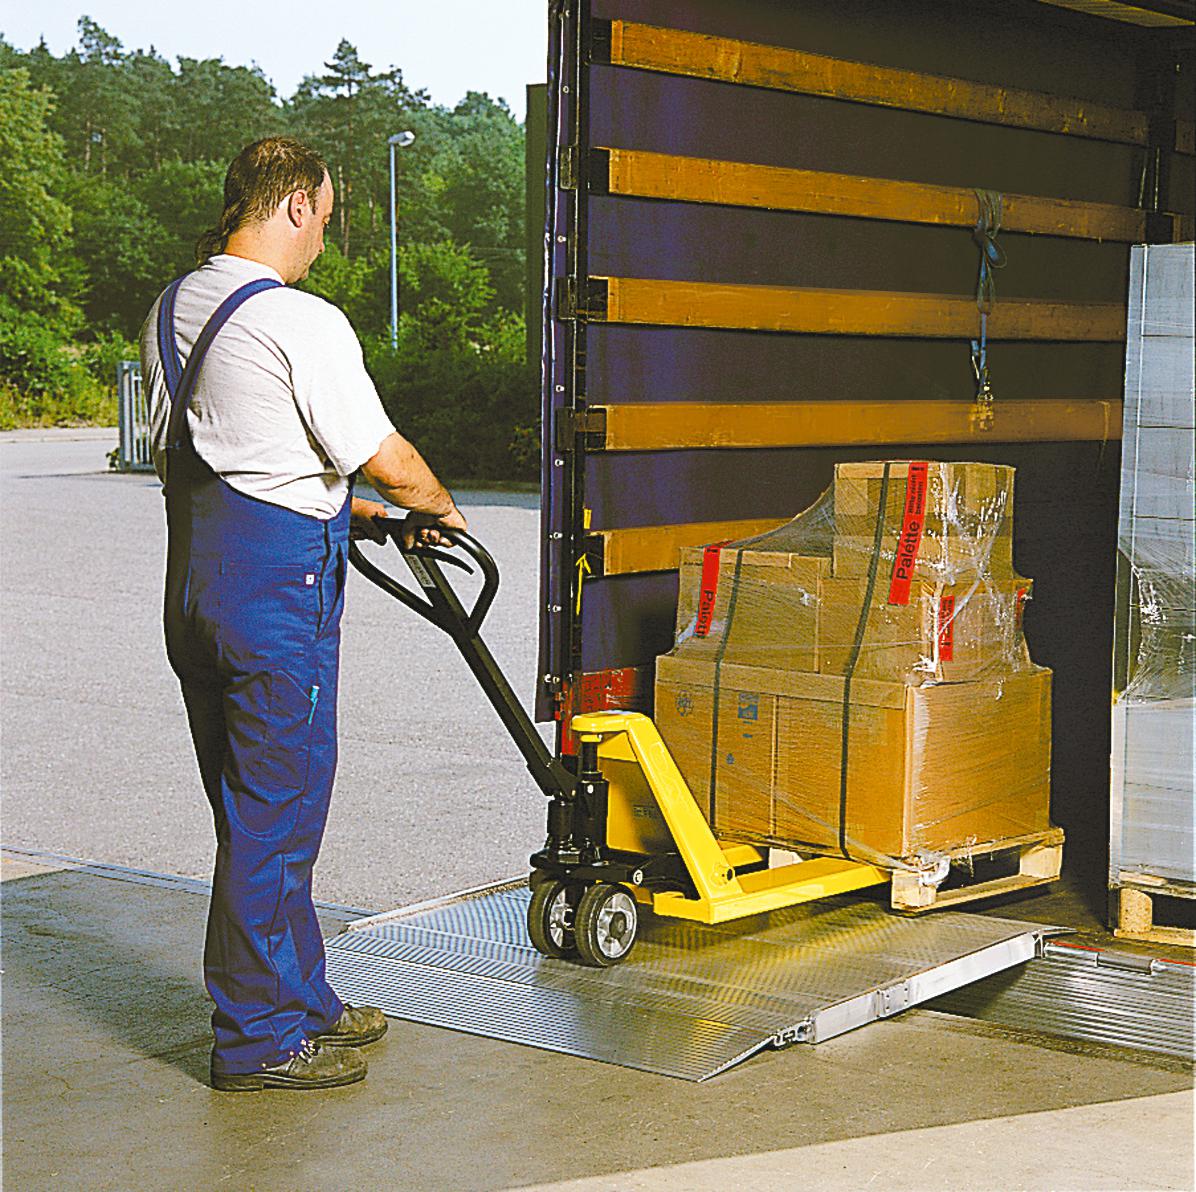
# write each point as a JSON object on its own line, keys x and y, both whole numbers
{"x": 860, "y": 629}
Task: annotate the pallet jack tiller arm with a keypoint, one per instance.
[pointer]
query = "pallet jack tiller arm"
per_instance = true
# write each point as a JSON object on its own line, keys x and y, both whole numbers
{"x": 574, "y": 849}
{"x": 440, "y": 605}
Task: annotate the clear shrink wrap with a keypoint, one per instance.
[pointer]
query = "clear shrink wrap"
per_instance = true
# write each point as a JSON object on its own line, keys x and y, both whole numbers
{"x": 857, "y": 680}
{"x": 1152, "y": 788}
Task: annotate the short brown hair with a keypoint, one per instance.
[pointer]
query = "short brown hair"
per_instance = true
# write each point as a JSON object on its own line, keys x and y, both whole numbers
{"x": 259, "y": 178}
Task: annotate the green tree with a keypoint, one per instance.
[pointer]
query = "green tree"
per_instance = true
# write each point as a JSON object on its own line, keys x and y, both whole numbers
{"x": 100, "y": 107}
{"x": 217, "y": 110}
{"x": 36, "y": 270}
{"x": 113, "y": 161}
{"x": 480, "y": 175}
{"x": 150, "y": 79}
{"x": 116, "y": 235}
{"x": 41, "y": 377}
{"x": 348, "y": 113}
{"x": 184, "y": 198}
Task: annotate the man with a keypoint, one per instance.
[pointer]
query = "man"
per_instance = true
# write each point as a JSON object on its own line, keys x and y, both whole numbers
{"x": 262, "y": 411}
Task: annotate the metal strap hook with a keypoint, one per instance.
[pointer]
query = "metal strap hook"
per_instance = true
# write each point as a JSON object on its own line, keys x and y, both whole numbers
{"x": 992, "y": 257}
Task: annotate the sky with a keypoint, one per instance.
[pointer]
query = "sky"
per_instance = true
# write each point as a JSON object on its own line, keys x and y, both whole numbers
{"x": 447, "y": 47}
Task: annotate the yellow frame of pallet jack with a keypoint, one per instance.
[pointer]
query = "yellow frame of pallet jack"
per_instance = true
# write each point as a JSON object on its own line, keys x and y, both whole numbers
{"x": 631, "y": 737}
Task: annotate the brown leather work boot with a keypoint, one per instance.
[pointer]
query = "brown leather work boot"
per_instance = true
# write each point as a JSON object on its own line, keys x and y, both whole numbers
{"x": 313, "y": 1068}
{"x": 356, "y": 1027}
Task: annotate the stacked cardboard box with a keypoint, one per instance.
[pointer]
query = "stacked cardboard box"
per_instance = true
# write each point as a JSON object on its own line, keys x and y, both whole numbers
{"x": 968, "y": 528}
{"x": 859, "y": 676}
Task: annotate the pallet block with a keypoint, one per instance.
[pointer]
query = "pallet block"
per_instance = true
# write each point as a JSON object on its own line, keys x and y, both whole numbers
{"x": 1132, "y": 910}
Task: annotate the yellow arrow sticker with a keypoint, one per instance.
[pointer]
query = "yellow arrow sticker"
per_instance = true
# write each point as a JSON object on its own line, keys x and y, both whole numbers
{"x": 583, "y": 569}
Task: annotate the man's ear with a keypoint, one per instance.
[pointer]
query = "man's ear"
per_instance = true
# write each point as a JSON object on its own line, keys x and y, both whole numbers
{"x": 298, "y": 208}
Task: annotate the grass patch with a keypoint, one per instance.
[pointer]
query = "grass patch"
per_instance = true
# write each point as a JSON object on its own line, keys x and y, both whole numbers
{"x": 88, "y": 405}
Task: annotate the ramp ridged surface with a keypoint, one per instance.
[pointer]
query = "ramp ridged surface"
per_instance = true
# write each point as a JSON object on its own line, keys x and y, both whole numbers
{"x": 1093, "y": 995}
{"x": 692, "y": 1000}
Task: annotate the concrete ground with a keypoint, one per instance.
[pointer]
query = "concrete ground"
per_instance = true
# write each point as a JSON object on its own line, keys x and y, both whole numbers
{"x": 105, "y": 1020}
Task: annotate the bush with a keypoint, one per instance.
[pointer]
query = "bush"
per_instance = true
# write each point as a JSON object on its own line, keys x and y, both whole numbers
{"x": 46, "y": 381}
{"x": 102, "y": 356}
{"x": 471, "y": 410}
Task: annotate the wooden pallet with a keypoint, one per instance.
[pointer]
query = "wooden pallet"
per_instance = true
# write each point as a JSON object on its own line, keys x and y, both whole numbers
{"x": 1132, "y": 909}
{"x": 1039, "y": 858}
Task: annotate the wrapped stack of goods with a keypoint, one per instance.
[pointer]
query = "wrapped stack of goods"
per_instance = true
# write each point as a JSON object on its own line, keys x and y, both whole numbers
{"x": 857, "y": 682}
{"x": 1152, "y": 848}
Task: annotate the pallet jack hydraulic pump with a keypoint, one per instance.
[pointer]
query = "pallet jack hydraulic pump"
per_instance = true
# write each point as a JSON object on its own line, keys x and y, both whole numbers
{"x": 624, "y": 830}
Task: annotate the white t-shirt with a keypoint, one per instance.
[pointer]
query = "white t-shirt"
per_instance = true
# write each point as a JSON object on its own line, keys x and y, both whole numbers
{"x": 283, "y": 408}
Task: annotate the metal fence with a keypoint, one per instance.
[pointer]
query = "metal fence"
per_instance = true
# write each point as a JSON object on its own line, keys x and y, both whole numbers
{"x": 134, "y": 420}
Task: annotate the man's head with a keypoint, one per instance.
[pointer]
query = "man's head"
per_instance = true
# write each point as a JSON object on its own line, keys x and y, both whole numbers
{"x": 277, "y": 201}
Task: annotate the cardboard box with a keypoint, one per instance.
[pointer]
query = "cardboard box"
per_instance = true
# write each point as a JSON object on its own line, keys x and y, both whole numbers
{"x": 787, "y": 612}
{"x": 946, "y": 632}
{"x": 962, "y": 515}
{"x": 932, "y": 767}
{"x": 769, "y": 598}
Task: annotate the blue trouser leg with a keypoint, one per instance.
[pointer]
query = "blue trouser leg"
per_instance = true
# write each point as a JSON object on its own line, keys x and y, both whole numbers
{"x": 266, "y": 743}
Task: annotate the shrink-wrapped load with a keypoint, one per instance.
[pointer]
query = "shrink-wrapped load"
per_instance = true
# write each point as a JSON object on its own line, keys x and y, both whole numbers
{"x": 857, "y": 681}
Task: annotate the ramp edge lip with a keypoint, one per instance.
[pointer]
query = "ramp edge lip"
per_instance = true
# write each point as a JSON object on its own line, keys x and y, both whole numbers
{"x": 431, "y": 904}
{"x": 876, "y": 1004}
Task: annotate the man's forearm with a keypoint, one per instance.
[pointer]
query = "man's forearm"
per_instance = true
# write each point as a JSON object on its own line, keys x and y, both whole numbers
{"x": 398, "y": 472}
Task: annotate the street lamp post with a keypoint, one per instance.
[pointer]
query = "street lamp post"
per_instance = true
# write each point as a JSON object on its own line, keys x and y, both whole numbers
{"x": 400, "y": 140}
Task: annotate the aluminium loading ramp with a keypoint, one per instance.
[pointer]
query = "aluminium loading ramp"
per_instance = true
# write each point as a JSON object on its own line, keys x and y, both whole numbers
{"x": 692, "y": 1001}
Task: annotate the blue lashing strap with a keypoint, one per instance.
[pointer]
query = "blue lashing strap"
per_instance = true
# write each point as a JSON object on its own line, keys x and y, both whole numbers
{"x": 180, "y": 382}
{"x": 992, "y": 257}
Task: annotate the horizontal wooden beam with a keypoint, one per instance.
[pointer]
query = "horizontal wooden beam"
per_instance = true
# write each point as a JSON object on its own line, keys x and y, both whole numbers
{"x": 675, "y": 426}
{"x": 1129, "y": 14}
{"x": 658, "y": 548}
{"x": 742, "y": 184}
{"x": 700, "y": 55}
{"x": 849, "y": 312}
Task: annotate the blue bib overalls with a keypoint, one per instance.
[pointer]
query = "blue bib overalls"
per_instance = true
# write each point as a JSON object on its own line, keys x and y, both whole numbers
{"x": 254, "y": 594}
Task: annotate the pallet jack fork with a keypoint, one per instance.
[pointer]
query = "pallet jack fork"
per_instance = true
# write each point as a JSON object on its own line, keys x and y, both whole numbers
{"x": 624, "y": 830}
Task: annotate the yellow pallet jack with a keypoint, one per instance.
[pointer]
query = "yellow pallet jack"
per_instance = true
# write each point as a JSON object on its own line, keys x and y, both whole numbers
{"x": 624, "y": 830}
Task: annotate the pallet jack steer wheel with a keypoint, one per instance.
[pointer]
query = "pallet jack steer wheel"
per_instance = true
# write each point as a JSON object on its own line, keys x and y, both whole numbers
{"x": 550, "y": 920}
{"x": 606, "y": 924}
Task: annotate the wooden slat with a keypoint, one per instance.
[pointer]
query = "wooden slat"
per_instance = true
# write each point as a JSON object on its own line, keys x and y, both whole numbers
{"x": 853, "y": 312}
{"x": 658, "y": 548}
{"x": 700, "y": 55}
{"x": 741, "y": 184}
{"x": 667, "y": 426}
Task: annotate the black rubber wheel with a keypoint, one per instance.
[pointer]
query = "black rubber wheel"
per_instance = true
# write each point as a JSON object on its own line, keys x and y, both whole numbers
{"x": 606, "y": 924}
{"x": 550, "y": 918}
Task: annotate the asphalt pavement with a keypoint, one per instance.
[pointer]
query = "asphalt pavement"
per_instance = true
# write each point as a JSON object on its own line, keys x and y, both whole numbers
{"x": 95, "y": 757}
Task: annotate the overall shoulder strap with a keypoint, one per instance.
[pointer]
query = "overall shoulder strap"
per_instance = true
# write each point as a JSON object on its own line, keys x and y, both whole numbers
{"x": 180, "y": 394}
{"x": 168, "y": 348}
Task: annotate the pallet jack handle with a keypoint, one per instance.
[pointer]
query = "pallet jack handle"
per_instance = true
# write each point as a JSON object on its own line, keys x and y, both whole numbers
{"x": 440, "y": 605}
